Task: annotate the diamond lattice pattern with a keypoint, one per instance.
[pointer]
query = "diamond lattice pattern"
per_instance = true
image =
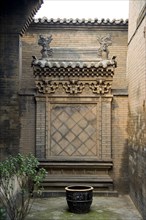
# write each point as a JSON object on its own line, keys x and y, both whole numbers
{"x": 73, "y": 130}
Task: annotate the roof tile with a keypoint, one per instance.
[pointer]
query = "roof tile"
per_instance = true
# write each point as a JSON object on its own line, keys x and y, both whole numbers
{"x": 76, "y": 21}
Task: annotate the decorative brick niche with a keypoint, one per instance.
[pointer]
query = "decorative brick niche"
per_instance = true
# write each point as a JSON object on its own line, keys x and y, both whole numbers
{"x": 73, "y": 107}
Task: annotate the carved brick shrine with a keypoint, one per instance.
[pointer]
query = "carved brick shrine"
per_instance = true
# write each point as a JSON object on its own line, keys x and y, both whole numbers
{"x": 73, "y": 117}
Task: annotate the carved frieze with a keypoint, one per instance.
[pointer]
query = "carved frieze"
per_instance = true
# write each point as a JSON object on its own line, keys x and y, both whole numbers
{"x": 73, "y": 87}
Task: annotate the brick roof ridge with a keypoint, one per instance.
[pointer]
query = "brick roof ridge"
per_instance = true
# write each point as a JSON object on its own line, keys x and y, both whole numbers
{"x": 96, "y": 21}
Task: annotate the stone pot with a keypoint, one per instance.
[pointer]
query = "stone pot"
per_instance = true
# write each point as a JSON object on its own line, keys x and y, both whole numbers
{"x": 79, "y": 198}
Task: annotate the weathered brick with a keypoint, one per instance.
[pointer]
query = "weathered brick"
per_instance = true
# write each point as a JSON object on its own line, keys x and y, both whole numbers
{"x": 136, "y": 75}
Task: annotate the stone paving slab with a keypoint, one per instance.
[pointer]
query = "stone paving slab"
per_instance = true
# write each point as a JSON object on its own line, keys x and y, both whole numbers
{"x": 102, "y": 208}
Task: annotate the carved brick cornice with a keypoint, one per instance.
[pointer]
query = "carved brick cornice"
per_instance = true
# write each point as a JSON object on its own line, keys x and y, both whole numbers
{"x": 70, "y": 71}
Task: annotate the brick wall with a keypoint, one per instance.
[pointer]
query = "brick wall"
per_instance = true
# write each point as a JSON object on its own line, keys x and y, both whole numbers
{"x": 136, "y": 75}
{"x": 119, "y": 143}
{"x": 27, "y": 118}
{"x": 136, "y": 69}
{"x": 135, "y": 10}
{"x": 137, "y": 160}
{"x": 13, "y": 21}
{"x": 9, "y": 107}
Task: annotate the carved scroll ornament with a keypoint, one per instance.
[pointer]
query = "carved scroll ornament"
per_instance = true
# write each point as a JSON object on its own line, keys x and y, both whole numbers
{"x": 45, "y": 86}
{"x": 73, "y": 87}
{"x": 100, "y": 87}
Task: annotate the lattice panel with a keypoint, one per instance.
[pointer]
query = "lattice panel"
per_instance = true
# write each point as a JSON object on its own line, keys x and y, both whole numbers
{"x": 73, "y": 130}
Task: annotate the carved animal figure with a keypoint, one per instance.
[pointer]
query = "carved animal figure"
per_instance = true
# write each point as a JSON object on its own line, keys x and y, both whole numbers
{"x": 103, "y": 51}
{"x": 45, "y": 43}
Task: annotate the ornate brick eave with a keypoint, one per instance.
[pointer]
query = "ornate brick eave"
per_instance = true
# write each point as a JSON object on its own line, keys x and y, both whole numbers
{"x": 30, "y": 17}
{"x": 56, "y": 77}
{"x": 73, "y": 77}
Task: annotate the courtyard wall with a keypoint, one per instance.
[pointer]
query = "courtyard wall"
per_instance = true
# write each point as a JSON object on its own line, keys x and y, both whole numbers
{"x": 136, "y": 75}
{"x": 78, "y": 41}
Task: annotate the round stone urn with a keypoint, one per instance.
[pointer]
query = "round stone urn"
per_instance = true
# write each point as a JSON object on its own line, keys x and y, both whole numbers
{"x": 79, "y": 198}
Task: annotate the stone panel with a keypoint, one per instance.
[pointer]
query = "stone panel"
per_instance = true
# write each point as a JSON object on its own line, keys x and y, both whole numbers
{"x": 73, "y": 130}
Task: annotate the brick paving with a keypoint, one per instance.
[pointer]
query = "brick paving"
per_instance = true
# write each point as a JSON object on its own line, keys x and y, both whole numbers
{"x": 102, "y": 208}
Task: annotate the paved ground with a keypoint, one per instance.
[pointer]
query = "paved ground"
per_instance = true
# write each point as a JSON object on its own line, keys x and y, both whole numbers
{"x": 102, "y": 208}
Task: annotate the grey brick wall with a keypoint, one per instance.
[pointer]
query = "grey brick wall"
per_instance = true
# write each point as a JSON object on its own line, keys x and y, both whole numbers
{"x": 13, "y": 21}
{"x": 136, "y": 75}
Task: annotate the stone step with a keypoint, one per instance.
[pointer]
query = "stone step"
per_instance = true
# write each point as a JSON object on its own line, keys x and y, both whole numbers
{"x": 76, "y": 164}
{"x": 76, "y": 167}
{"x": 77, "y": 172}
{"x": 98, "y": 182}
{"x": 76, "y": 178}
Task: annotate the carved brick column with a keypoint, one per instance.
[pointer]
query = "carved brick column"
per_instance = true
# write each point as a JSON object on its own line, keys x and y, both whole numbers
{"x": 40, "y": 127}
{"x": 106, "y": 128}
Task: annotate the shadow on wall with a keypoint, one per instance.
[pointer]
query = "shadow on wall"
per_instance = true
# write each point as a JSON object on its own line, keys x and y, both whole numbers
{"x": 120, "y": 147}
{"x": 137, "y": 159}
{"x": 122, "y": 182}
